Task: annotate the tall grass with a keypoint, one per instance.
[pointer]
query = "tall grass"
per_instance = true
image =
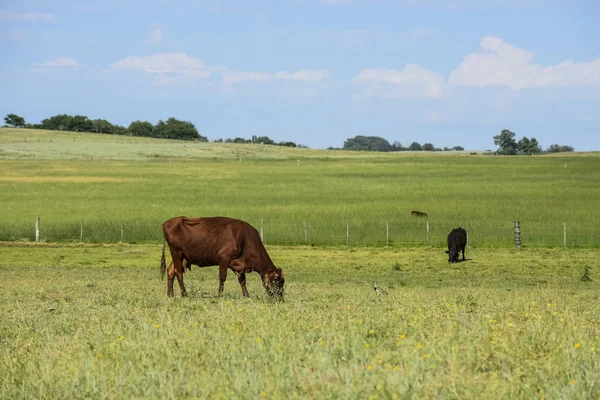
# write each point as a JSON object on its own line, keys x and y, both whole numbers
{"x": 327, "y": 191}
{"x": 95, "y": 322}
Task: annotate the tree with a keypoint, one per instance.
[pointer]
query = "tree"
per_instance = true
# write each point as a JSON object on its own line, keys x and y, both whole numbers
{"x": 527, "y": 146}
{"x": 458, "y": 148}
{"x": 58, "y": 122}
{"x": 238, "y": 140}
{"x": 397, "y": 146}
{"x": 14, "y": 120}
{"x": 102, "y": 126}
{"x": 141, "y": 128}
{"x": 287, "y": 144}
{"x": 556, "y": 148}
{"x": 428, "y": 147}
{"x": 175, "y": 129}
{"x": 506, "y": 142}
{"x": 415, "y": 146}
{"x": 367, "y": 143}
{"x": 262, "y": 140}
{"x": 80, "y": 123}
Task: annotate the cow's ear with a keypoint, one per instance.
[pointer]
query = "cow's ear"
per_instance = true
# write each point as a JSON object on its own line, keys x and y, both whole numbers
{"x": 446, "y": 251}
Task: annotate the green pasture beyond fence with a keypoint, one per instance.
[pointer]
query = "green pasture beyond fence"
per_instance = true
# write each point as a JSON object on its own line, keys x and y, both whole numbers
{"x": 409, "y": 233}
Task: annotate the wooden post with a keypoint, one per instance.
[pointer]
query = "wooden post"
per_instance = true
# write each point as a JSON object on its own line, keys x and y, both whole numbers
{"x": 565, "y": 234}
{"x": 306, "y": 232}
{"x": 121, "y": 231}
{"x": 427, "y": 232}
{"x": 347, "y": 233}
{"x": 518, "y": 234}
{"x": 262, "y": 229}
{"x": 387, "y": 234}
{"x": 37, "y": 229}
{"x": 81, "y": 231}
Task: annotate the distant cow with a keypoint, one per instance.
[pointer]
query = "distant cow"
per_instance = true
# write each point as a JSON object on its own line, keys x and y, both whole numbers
{"x": 418, "y": 214}
{"x": 457, "y": 240}
{"x": 226, "y": 242}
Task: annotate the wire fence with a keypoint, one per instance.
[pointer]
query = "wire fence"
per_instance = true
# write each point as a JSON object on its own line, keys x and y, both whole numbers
{"x": 392, "y": 233}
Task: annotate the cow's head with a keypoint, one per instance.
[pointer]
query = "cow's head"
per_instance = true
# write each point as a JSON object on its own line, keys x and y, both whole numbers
{"x": 452, "y": 255}
{"x": 273, "y": 282}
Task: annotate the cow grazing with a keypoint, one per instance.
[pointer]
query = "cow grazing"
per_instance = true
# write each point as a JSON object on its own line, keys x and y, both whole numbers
{"x": 457, "y": 241}
{"x": 226, "y": 242}
{"x": 418, "y": 214}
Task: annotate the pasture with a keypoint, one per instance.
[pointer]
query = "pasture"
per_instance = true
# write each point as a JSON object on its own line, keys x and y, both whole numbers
{"x": 90, "y": 318}
{"x": 304, "y": 196}
{"x": 93, "y": 321}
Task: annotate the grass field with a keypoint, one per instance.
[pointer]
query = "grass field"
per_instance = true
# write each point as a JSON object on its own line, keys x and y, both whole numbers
{"x": 329, "y": 191}
{"x": 86, "y": 320}
{"x": 93, "y": 321}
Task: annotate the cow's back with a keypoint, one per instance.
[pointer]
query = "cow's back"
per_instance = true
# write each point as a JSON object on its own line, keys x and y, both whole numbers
{"x": 204, "y": 241}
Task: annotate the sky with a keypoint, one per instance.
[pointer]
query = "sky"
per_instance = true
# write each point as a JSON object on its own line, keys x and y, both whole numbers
{"x": 315, "y": 72}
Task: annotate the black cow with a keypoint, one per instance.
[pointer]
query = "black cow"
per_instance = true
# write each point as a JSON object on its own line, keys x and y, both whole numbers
{"x": 457, "y": 241}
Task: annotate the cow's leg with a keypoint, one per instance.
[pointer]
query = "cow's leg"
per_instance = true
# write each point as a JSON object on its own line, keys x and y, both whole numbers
{"x": 463, "y": 251}
{"x": 222, "y": 276}
{"x": 176, "y": 271}
{"x": 242, "y": 280}
{"x": 170, "y": 277}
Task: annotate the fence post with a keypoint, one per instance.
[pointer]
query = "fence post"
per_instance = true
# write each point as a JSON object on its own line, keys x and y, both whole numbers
{"x": 121, "y": 231}
{"x": 427, "y": 232}
{"x": 81, "y": 231}
{"x": 262, "y": 229}
{"x": 347, "y": 233}
{"x": 387, "y": 234}
{"x": 37, "y": 229}
{"x": 518, "y": 234}
{"x": 306, "y": 232}
{"x": 565, "y": 234}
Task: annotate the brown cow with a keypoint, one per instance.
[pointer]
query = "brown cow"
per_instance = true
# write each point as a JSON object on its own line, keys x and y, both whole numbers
{"x": 226, "y": 242}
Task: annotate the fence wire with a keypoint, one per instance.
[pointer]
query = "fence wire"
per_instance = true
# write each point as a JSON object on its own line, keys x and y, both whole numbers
{"x": 393, "y": 233}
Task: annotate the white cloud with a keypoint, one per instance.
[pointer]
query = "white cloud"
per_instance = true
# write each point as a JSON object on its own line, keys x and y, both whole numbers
{"x": 412, "y": 81}
{"x": 304, "y": 75}
{"x": 499, "y": 64}
{"x": 241, "y": 76}
{"x": 156, "y": 36}
{"x": 502, "y": 64}
{"x": 178, "y": 68}
{"x": 62, "y": 62}
{"x": 165, "y": 63}
{"x": 26, "y": 17}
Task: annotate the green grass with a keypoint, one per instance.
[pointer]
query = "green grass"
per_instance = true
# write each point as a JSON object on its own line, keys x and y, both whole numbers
{"x": 93, "y": 321}
{"x": 326, "y": 191}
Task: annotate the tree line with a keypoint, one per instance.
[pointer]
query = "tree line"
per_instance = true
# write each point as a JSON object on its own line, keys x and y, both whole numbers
{"x": 376, "y": 143}
{"x": 183, "y": 130}
{"x": 508, "y": 145}
{"x": 170, "y": 129}
{"x": 506, "y": 142}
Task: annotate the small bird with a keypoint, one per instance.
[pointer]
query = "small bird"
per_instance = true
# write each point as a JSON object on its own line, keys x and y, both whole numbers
{"x": 378, "y": 290}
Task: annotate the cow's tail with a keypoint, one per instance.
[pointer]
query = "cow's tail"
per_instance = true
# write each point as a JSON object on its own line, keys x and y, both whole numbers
{"x": 163, "y": 264}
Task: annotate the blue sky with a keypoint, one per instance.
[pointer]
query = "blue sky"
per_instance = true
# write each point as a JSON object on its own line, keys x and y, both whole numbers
{"x": 315, "y": 72}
